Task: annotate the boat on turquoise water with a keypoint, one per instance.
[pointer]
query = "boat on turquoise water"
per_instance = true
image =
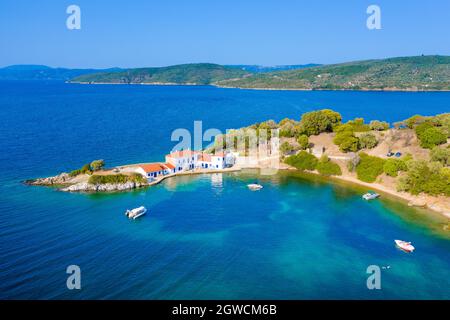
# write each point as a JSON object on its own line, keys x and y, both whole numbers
{"x": 254, "y": 186}
{"x": 370, "y": 196}
{"x": 136, "y": 212}
{"x": 405, "y": 246}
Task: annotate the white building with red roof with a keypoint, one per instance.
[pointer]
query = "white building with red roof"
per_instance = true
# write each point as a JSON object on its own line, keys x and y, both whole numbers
{"x": 180, "y": 161}
{"x": 183, "y": 160}
{"x": 154, "y": 170}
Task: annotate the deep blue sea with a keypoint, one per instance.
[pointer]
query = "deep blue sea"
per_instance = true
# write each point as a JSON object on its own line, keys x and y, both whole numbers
{"x": 207, "y": 236}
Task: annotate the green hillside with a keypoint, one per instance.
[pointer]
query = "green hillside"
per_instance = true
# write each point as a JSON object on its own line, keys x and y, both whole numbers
{"x": 198, "y": 74}
{"x": 407, "y": 73}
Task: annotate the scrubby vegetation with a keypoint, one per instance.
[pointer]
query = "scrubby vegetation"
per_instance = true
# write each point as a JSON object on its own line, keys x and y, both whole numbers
{"x": 430, "y": 135}
{"x": 289, "y": 128}
{"x": 358, "y": 125}
{"x": 421, "y": 176}
{"x": 328, "y": 168}
{"x": 88, "y": 168}
{"x": 378, "y": 125}
{"x": 302, "y": 161}
{"x": 315, "y": 122}
{"x": 97, "y": 165}
{"x": 346, "y": 139}
{"x": 441, "y": 155}
{"x": 286, "y": 148}
{"x": 369, "y": 167}
{"x": 393, "y": 166}
{"x": 367, "y": 141}
{"x": 303, "y": 141}
{"x": 116, "y": 179}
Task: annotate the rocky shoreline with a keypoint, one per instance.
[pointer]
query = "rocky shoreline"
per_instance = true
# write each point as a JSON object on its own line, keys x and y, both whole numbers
{"x": 108, "y": 187}
{"x": 66, "y": 183}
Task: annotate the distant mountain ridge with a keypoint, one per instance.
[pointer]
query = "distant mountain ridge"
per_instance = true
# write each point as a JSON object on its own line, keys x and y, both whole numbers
{"x": 41, "y": 72}
{"x": 193, "y": 74}
{"x": 420, "y": 73}
{"x": 260, "y": 69}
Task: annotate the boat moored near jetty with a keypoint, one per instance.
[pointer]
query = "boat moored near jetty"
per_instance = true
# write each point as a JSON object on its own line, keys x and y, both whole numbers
{"x": 254, "y": 186}
{"x": 136, "y": 213}
{"x": 405, "y": 246}
{"x": 370, "y": 196}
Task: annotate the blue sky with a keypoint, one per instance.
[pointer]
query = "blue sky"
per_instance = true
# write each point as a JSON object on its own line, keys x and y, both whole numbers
{"x": 267, "y": 32}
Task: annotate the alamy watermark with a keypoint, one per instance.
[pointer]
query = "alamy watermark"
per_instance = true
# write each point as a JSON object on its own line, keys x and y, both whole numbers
{"x": 250, "y": 147}
{"x": 374, "y": 280}
{"x": 74, "y": 279}
{"x": 373, "y": 22}
{"x": 73, "y": 21}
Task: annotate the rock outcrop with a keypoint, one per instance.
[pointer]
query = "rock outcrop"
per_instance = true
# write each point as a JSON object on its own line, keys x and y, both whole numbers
{"x": 107, "y": 187}
{"x": 60, "y": 179}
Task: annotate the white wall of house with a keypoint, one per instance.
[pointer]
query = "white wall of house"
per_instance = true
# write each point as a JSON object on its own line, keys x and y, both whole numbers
{"x": 140, "y": 171}
{"x": 218, "y": 162}
{"x": 183, "y": 163}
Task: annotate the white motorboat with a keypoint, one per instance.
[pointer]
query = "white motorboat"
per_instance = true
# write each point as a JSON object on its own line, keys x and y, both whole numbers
{"x": 136, "y": 212}
{"x": 254, "y": 186}
{"x": 370, "y": 196}
{"x": 406, "y": 246}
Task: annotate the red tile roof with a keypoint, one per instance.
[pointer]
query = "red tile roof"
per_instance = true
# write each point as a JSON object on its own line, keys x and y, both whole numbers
{"x": 181, "y": 154}
{"x": 205, "y": 157}
{"x": 219, "y": 154}
{"x": 152, "y": 167}
{"x": 169, "y": 165}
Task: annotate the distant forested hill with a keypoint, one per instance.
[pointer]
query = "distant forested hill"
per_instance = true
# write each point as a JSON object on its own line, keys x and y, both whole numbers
{"x": 39, "y": 72}
{"x": 406, "y": 73}
{"x": 197, "y": 74}
{"x": 262, "y": 69}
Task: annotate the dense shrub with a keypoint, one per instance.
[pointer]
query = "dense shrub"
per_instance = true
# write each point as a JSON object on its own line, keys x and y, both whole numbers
{"x": 286, "y": 148}
{"x": 430, "y": 178}
{"x": 303, "y": 141}
{"x": 392, "y": 166}
{"x": 345, "y": 138}
{"x": 97, "y": 165}
{"x": 429, "y": 135}
{"x": 328, "y": 168}
{"x": 444, "y": 122}
{"x": 369, "y": 167}
{"x": 367, "y": 141}
{"x": 288, "y": 128}
{"x": 378, "y": 125}
{"x": 432, "y": 137}
{"x": 303, "y": 161}
{"x": 414, "y": 120}
{"x": 315, "y": 122}
{"x": 115, "y": 178}
{"x": 74, "y": 173}
{"x": 359, "y": 125}
{"x": 350, "y": 144}
{"x": 441, "y": 155}
{"x": 84, "y": 169}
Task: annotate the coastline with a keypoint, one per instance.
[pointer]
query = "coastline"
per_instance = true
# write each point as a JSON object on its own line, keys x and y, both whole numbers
{"x": 256, "y": 89}
{"x": 438, "y": 205}
{"x": 435, "y": 204}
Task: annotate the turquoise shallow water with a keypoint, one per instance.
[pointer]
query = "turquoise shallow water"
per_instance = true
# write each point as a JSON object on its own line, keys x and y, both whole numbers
{"x": 205, "y": 236}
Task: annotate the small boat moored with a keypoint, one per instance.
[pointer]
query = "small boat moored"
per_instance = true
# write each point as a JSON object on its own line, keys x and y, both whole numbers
{"x": 254, "y": 186}
{"x": 370, "y": 196}
{"x": 136, "y": 213}
{"x": 405, "y": 246}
